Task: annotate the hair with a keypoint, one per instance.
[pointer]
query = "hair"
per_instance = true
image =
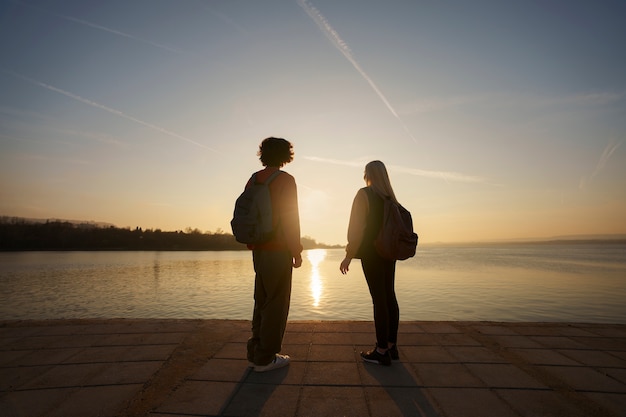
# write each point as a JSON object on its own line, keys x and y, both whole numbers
{"x": 275, "y": 152}
{"x": 377, "y": 178}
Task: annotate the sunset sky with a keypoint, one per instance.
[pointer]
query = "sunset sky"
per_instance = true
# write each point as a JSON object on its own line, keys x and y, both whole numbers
{"x": 496, "y": 119}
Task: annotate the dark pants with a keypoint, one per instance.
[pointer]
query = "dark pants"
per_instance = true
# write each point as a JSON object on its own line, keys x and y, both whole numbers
{"x": 272, "y": 293}
{"x": 380, "y": 277}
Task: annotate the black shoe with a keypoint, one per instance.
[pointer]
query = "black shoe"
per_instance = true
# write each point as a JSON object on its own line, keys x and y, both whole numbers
{"x": 373, "y": 356}
{"x": 393, "y": 353}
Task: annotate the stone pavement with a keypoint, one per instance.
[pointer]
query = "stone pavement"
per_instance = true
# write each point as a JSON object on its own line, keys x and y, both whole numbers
{"x": 161, "y": 368}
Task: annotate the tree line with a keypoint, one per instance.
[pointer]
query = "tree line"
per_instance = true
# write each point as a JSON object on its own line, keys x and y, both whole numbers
{"x": 18, "y": 234}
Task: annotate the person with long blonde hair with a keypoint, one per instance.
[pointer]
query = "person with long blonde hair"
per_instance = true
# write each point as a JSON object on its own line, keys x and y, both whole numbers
{"x": 366, "y": 218}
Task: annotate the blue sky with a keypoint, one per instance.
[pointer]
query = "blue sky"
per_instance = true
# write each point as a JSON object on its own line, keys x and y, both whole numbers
{"x": 496, "y": 119}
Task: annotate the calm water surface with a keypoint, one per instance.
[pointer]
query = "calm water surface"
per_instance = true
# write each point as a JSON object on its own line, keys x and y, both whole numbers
{"x": 583, "y": 283}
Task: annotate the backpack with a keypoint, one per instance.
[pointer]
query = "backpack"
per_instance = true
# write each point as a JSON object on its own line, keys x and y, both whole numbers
{"x": 252, "y": 217}
{"x": 396, "y": 239}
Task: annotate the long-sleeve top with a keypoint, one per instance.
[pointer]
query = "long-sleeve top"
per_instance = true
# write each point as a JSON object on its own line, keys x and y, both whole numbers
{"x": 285, "y": 214}
{"x": 358, "y": 223}
{"x": 365, "y": 222}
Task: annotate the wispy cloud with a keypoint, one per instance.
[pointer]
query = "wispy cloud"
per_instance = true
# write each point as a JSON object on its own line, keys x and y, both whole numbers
{"x": 604, "y": 159}
{"x": 343, "y": 47}
{"x": 449, "y": 176}
{"x": 107, "y": 109}
{"x": 99, "y": 27}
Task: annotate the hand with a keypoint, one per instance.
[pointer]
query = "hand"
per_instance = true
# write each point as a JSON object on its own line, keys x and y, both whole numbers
{"x": 345, "y": 265}
{"x": 297, "y": 262}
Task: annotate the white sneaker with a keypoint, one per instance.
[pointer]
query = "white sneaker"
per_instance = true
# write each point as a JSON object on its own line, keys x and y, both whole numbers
{"x": 278, "y": 362}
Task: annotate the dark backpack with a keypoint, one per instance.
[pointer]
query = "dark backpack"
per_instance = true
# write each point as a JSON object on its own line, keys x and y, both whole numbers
{"x": 252, "y": 217}
{"x": 396, "y": 239}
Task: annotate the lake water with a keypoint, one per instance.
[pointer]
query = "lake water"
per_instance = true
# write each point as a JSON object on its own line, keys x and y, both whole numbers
{"x": 568, "y": 283}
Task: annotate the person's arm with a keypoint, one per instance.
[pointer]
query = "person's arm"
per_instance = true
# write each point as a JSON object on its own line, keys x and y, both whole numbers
{"x": 291, "y": 221}
{"x": 356, "y": 227}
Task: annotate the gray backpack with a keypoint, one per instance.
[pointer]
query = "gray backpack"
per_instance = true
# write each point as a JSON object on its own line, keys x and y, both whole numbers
{"x": 252, "y": 217}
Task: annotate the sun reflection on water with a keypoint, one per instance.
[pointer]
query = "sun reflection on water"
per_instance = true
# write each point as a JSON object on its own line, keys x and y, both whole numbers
{"x": 316, "y": 256}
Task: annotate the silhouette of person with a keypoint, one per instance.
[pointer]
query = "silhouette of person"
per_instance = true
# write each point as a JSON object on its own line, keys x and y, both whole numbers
{"x": 366, "y": 219}
{"x": 274, "y": 260}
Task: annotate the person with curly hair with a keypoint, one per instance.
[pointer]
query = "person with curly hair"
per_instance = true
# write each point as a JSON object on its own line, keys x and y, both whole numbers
{"x": 275, "y": 259}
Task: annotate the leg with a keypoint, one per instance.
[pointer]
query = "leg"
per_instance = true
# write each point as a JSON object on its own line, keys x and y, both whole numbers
{"x": 392, "y": 301}
{"x": 274, "y": 271}
{"x": 374, "y": 271}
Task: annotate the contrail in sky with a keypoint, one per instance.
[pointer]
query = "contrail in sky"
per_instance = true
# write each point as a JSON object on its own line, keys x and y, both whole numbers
{"x": 95, "y": 26}
{"x": 342, "y": 46}
{"x": 444, "y": 175}
{"x": 604, "y": 159}
{"x": 108, "y": 109}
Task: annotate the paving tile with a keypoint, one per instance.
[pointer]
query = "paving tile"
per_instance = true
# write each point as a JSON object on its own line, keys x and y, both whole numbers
{"x": 123, "y": 373}
{"x": 585, "y": 379}
{"x": 412, "y": 339}
{"x": 64, "y": 376}
{"x": 12, "y": 357}
{"x": 558, "y": 342}
{"x": 36, "y": 342}
{"x": 594, "y": 358}
{"x": 455, "y": 340}
{"x": 297, "y": 338}
{"x": 198, "y": 397}
{"x": 15, "y": 378}
{"x": 399, "y": 401}
{"x": 470, "y": 402}
{"x": 328, "y": 338}
{"x": 325, "y": 353}
{"x": 409, "y": 327}
{"x": 103, "y": 401}
{"x": 503, "y": 376}
{"x": 8, "y": 343}
{"x": 232, "y": 370}
{"x": 319, "y": 401}
{"x": 293, "y": 374}
{"x": 534, "y": 330}
{"x": 543, "y": 357}
{"x": 397, "y": 375}
{"x": 571, "y": 331}
{"x": 264, "y": 400}
{"x": 603, "y": 343}
{"x": 446, "y": 375}
{"x": 98, "y": 354}
{"x": 147, "y": 353}
{"x": 608, "y": 331}
{"x": 439, "y": 327}
{"x": 515, "y": 341}
{"x": 66, "y": 330}
{"x": 616, "y": 373}
{"x": 368, "y": 338}
{"x": 71, "y": 341}
{"x": 232, "y": 351}
{"x": 297, "y": 352}
{"x": 426, "y": 354}
{"x": 138, "y": 339}
{"x": 331, "y": 373}
{"x": 33, "y": 402}
{"x": 474, "y": 354}
{"x": 615, "y": 403}
{"x": 47, "y": 356}
{"x": 489, "y": 329}
{"x": 541, "y": 403}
